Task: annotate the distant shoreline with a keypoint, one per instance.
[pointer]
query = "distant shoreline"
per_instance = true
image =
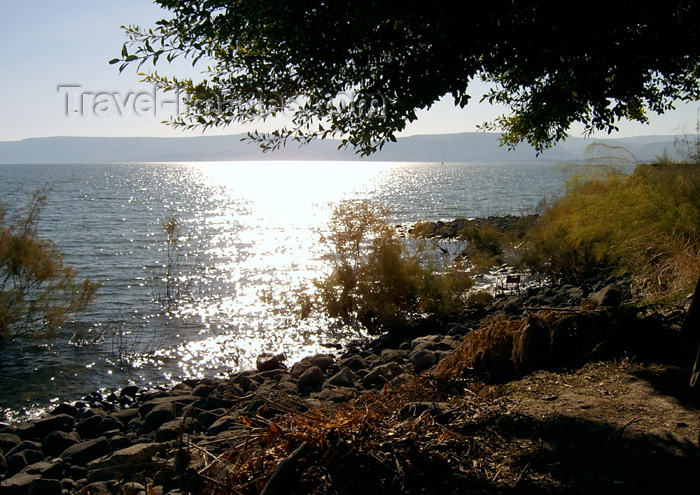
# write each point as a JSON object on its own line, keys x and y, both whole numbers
{"x": 466, "y": 147}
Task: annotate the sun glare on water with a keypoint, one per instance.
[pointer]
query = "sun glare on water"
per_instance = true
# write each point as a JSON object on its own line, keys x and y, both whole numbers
{"x": 265, "y": 231}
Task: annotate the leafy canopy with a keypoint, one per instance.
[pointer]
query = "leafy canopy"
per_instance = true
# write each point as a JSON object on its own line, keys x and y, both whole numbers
{"x": 360, "y": 70}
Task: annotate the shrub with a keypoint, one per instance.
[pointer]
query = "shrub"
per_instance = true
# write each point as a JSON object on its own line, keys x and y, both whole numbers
{"x": 645, "y": 224}
{"x": 37, "y": 291}
{"x": 375, "y": 279}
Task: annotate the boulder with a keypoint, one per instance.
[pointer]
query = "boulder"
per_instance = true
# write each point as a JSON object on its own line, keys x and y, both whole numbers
{"x": 610, "y": 295}
{"x": 129, "y": 391}
{"x": 344, "y": 378}
{"x": 109, "y": 423}
{"x": 310, "y": 380}
{"x": 119, "y": 442}
{"x": 111, "y": 465}
{"x": 161, "y": 413}
{"x": 270, "y": 362}
{"x": 84, "y": 452}
{"x": 18, "y": 484}
{"x": 203, "y": 389}
{"x": 8, "y": 441}
{"x": 381, "y": 374}
{"x": 45, "y": 486}
{"x": 423, "y": 359}
{"x": 56, "y": 442}
{"x": 65, "y": 408}
{"x": 224, "y": 423}
{"x": 125, "y": 415}
{"x": 323, "y": 361}
{"x": 354, "y": 362}
{"x": 59, "y": 422}
{"x": 45, "y": 469}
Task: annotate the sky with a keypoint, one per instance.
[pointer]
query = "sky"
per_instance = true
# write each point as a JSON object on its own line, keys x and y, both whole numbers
{"x": 54, "y": 56}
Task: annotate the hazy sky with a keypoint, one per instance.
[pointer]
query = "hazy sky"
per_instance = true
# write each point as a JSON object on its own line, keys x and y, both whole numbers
{"x": 53, "y": 51}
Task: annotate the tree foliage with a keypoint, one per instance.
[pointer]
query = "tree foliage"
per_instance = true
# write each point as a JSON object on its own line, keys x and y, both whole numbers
{"x": 360, "y": 70}
{"x": 37, "y": 291}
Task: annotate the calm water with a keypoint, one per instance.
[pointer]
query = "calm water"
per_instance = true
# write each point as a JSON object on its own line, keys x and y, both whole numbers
{"x": 248, "y": 228}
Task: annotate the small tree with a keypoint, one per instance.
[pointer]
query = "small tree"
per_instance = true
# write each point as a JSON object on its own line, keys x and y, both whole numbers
{"x": 37, "y": 291}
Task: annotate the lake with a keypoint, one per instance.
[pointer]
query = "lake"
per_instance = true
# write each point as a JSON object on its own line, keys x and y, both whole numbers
{"x": 247, "y": 229}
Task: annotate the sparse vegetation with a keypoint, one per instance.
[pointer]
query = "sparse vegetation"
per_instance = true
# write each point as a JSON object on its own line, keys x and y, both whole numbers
{"x": 38, "y": 292}
{"x": 173, "y": 284}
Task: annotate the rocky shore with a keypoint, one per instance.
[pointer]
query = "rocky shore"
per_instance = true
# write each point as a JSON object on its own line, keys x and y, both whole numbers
{"x": 137, "y": 441}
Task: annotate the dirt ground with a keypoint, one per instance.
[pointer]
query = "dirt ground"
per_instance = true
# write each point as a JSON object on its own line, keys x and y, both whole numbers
{"x": 608, "y": 428}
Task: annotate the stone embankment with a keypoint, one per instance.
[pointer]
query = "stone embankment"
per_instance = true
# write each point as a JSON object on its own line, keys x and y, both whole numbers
{"x": 138, "y": 441}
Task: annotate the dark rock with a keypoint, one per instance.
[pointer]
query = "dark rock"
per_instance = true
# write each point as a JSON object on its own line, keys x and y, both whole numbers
{"x": 610, "y": 295}
{"x": 18, "y": 484}
{"x": 392, "y": 355}
{"x": 224, "y": 423}
{"x": 109, "y": 423}
{"x": 381, "y": 374}
{"x": 354, "y": 362}
{"x": 458, "y": 330}
{"x": 8, "y": 441}
{"x": 425, "y": 342}
{"x": 15, "y": 463}
{"x": 44, "y": 486}
{"x": 132, "y": 488}
{"x": 310, "y": 380}
{"x": 247, "y": 380}
{"x": 176, "y": 400}
{"x": 56, "y": 442}
{"x": 181, "y": 389}
{"x": 344, "y": 378}
{"x": 207, "y": 418}
{"x": 84, "y": 452}
{"x": 98, "y": 488}
{"x": 87, "y": 428}
{"x": 125, "y": 415}
{"x": 129, "y": 391}
{"x": 422, "y": 359}
{"x": 3, "y": 464}
{"x": 69, "y": 485}
{"x": 121, "y": 461}
{"x": 25, "y": 431}
{"x": 135, "y": 424}
{"x": 269, "y": 362}
{"x": 173, "y": 429}
{"x": 203, "y": 390}
{"x": 161, "y": 413}
{"x": 119, "y": 442}
{"x": 23, "y": 446}
{"x": 512, "y": 307}
{"x": 330, "y": 395}
{"x": 323, "y": 361}
{"x": 65, "y": 408}
{"x": 45, "y": 469}
{"x": 299, "y": 368}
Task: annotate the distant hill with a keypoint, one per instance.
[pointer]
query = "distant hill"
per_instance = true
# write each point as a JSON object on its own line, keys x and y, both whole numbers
{"x": 462, "y": 147}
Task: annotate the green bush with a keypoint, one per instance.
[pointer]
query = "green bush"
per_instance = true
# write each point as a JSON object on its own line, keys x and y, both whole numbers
{"x": 37, "y": 291}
